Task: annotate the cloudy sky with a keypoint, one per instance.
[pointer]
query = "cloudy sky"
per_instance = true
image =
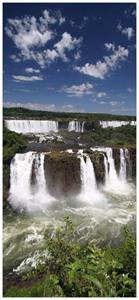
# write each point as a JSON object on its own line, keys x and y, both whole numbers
{"x": 70, "y": 57}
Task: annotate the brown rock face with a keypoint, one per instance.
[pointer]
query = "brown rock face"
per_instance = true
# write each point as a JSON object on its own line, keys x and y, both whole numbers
{"x": 98, "y": 162}
{"x": 116, "y": 157}
{"x": 132, "y": 155}
{"x": 62, "y": 173}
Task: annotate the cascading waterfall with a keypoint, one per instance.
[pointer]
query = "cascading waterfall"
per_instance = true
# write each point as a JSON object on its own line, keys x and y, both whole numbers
{"x": 76, "y": 126}
{"x": 32, "y": 126}
{"x": 106, "y": 168}
{"x": 87, "y": 176}
{"x": 113, "y": 182}
{"x": 106, "y": 124}
{"x": 24, "y": 195}
{"x": 129, "y": 169}
{"x": 89, "y": 191}
{"x": 122, "y": 172}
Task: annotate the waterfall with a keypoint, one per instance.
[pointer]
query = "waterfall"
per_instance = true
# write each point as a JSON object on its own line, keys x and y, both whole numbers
{"x": 76, "y": 126}
{"x": 106, "y": 168}
{"x": 23, "y": 195}
{"x": 87, "y": 176}
{"x": 106, "y": 124}
{"x": 112, "y": 177}
{"x": 31, "y": 126}
{"x": 89, "y": 191}
{"x": 129, "y": 163}
{"x": 122, "y": 172}
{"x": 114, "y": 183}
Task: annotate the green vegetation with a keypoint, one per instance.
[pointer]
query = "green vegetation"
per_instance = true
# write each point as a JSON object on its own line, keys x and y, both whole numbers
{"x": 12, "y": 143}
{"x": 75, "y": 270}
{"x": 23, "y": 113}
{"x": 124, "y": 136}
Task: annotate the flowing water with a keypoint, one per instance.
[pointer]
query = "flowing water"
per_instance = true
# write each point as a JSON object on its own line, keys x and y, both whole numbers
{"x": 114, "y": 124}
{"x": 76, "y": 126}
{"x": 97, "y": 212}
{"x": 31, "y": 126}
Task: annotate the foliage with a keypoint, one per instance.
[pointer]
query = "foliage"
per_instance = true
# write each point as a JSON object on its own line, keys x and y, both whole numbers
{"x": 12, "y": 143}
{"x": 124, "y": 136}
{"x": 21, "y": 112}
{"x": 73, "y": 270}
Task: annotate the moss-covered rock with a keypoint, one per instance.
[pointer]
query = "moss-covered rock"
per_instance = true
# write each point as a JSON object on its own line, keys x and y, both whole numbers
{"x": 62, "y": 172}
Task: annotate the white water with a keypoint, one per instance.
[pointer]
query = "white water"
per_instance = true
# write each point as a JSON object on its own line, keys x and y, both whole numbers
{"x": 89, "y": 191}
{"x": 96, "y": 218}
{"x": 106, "y": 124}
{"x": 122, "y": 172}
{"x": 76, "y": 126}
{"x": 115, "y": 183}
{"x": 24, "y": 195}
{"x": 31, "y": 126}
{"x": 87, "y": 175}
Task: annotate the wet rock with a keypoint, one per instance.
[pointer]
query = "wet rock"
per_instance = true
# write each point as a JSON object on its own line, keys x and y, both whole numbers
{"x": 116, "y": 156}
{"x": 98, "y": 162}
{"x": 62, "y": 172}
{"x": 132, "y": 154}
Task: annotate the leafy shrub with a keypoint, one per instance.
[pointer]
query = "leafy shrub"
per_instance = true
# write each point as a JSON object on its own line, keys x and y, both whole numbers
{"x": 73, "y": 270}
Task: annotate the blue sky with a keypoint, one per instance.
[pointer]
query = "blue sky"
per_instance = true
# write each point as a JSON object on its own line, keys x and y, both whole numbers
{"x": 70, "y": 57}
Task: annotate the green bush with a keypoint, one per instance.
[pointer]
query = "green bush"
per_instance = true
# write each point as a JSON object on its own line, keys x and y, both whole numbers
{"x": 12, "y": 143}
{"x": 73, "y": 270}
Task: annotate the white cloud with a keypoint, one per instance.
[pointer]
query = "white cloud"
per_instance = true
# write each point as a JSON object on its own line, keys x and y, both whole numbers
{"x": 101, "y": 68}
{"x": 101, "y": 94}
{"x": 71, "y": 108}
{"x": 67, "y": 43}
{"x": 77, "y": 55}
{"x": 78, "y": 90}
{"x": 26, "y": 78}
{"x": 128, "y": 31}
{"x": 15, "y": 58}
{"x": 93, "y": 100}
{"x": 23, "y": 90}
{"x": 31, "y": 35}
{"x": 50, "y": 55}
{"x": 116, "y": 103}
{"x": 109, "y": 46}
{"x": 81, "y": 25}
{"x": 29, "y": 105}
{"x": 129, "y": 11}
{"x": 31, "y": 70}
{"x": 133, "y": 13}
{"x": 129, "y": 90}
{"x": 43, "y": 107}
{"x": 103, "y": 102}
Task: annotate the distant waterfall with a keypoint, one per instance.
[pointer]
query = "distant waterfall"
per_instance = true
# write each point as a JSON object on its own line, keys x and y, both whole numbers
{"x": 122, "y": 172}
{"x": 76, "y": 126}
{"x": 23, "y": 195}
{"x": 106, "y": 124}
{"x": 31, "y": 126}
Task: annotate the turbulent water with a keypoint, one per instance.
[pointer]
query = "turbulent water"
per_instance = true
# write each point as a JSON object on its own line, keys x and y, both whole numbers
{"x": 23, "y": 195}
{"x": 98, "y": 212}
